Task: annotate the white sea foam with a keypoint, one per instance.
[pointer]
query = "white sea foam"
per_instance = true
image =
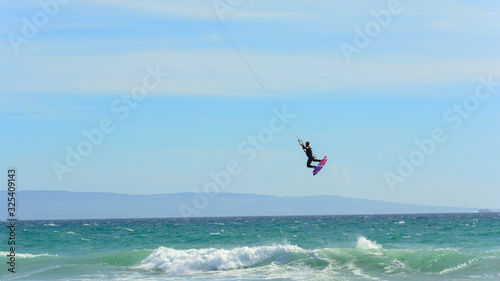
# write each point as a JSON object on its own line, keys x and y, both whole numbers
{"x": 27, "y": 255}
{"x": 460, "y": 266}
{"x": 394, "y": 266}
{"x": 366, "y": 244}
{"x": 178, "y": 262}
{"x": 125, "y": 228}
{"x": 358, "y": 271}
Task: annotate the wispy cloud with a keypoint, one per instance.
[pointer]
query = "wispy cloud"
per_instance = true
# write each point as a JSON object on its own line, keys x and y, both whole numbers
{"x": 105, "y": 54}
{"x": 211, "y": 72}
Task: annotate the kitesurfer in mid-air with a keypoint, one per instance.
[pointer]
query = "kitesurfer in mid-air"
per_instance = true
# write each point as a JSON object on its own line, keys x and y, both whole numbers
{"x": 310, "y": 156}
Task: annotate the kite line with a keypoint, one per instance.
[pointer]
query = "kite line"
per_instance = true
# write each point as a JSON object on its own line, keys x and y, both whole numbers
{"x": 242, "y": 57}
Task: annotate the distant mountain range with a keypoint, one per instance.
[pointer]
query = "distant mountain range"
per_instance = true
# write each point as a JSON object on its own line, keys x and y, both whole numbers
{"x": 35, "y": 205}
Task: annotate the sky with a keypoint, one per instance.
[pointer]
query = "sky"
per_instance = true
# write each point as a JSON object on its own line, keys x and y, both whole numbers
{"x": 156, "y": 97}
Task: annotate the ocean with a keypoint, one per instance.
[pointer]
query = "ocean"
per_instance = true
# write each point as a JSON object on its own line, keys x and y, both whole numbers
{"x": 361, "y": 247}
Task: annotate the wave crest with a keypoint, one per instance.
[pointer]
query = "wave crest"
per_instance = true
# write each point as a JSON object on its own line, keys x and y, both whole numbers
{"x": 366, "y": 244}
{"x": 178, "y": 262}
{"x": 367, "y": 260}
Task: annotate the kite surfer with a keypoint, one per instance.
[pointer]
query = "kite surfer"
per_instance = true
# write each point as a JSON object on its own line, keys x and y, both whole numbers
{"x": 310, "y": 156}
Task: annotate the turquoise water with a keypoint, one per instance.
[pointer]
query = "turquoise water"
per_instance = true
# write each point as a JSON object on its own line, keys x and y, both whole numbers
{"x": 378, "y": 247}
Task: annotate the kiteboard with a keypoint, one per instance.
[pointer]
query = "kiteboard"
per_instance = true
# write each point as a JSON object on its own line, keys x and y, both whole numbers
{"x": 320, "y": 166}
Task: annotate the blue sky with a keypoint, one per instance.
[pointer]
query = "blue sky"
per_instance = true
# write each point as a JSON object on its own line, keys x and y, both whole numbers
{"x": 364, "y": 113}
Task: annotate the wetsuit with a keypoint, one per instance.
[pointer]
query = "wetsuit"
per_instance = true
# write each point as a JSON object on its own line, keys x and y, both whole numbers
{"x": 310, "y": 157}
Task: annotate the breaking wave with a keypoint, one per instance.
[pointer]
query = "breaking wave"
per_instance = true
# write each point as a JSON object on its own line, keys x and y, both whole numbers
{"x": 366, "y": 260}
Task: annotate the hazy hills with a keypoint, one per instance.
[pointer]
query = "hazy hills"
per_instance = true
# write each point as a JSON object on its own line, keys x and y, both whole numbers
{"x": 87, "y": 205}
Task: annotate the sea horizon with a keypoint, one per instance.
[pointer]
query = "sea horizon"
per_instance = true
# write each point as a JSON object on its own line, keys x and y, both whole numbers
{"x": 52, "y": 204}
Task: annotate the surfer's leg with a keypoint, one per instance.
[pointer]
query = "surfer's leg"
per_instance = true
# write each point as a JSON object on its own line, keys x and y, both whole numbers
{"x": 309, "y": 160}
